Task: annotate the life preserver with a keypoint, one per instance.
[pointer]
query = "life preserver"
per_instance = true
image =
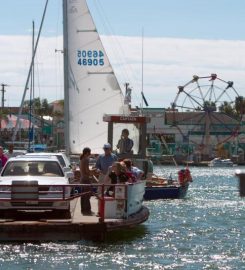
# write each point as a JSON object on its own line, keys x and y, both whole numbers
{"x": 188, "y": 175}
{"x": 181, "y": 177}
{"x": 184, "y": 176}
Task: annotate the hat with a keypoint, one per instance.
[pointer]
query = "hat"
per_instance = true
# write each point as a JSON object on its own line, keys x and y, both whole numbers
{"x": 107, "y": 146}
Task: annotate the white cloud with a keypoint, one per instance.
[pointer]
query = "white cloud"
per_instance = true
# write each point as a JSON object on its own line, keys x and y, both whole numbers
{"x": 15, "y": 55}
{"x": 168, "y": 63}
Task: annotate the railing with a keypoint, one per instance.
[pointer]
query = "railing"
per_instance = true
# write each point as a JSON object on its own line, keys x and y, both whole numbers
{"x": 114, "y": 201}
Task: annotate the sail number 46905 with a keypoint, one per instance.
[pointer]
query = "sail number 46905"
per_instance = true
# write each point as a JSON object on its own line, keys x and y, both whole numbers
{"x": 90, "y": 58}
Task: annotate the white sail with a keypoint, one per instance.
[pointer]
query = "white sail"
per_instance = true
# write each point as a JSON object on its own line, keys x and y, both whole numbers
{"x": 93, "y": 89}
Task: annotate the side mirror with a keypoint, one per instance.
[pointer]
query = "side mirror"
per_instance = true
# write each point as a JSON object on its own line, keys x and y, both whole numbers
{"x": 66, "y": 169}
{"x": 69, "y": 174}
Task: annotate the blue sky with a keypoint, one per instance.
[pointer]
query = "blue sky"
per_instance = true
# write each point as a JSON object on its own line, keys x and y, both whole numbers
{"x": 208, "y": 36}
{"x": 202, "y": 19}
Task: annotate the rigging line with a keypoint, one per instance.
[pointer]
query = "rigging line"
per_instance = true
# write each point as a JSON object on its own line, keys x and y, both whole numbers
{"x": 142, "y": 71}
{"x": 29, "y": 74}
{"x": 113, "y": 35}
{"x": 108, "y": 28}
{"x": 42, "y": 85}
{"x": 60, "y": 75}
{"x": 129, "y": 77}
{"x": 58, "y": 45}
{"x": 59, "y": 12}
{"x": 110, "y": 64}
{"x": 38, "y": 77}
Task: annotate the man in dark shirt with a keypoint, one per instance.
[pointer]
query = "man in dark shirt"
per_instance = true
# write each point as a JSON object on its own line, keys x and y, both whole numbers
{"x": 125, "y": 144}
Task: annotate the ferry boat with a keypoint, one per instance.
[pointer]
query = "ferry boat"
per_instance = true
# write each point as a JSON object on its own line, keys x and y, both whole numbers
{"x": 39, "y": 202}
{"x": 91, "y": 90}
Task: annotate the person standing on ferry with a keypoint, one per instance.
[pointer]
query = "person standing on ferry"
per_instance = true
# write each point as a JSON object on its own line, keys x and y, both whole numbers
{"x": 85, "y": 179}
{"x": 105, "y": 161}
{"x": 125, "y": 144}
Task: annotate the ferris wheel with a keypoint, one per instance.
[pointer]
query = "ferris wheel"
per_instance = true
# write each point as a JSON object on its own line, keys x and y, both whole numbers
{"x": 206, "y": 113}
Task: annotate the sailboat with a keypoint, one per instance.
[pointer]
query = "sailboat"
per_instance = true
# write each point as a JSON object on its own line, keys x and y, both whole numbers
{"x": 91, "y": 87}
{"x": 91, "y": 91}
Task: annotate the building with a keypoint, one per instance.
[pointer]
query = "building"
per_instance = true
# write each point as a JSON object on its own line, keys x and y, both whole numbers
{"x": 194, "y": 136}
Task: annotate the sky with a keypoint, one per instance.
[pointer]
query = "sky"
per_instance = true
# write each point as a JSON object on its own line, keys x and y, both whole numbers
{"x": 180, "y": 39}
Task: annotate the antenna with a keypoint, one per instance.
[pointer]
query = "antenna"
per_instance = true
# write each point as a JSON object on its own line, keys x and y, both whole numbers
{"x": 31, "y": 128}
{"x": 142, "y": 68}
{"x": 142, "y": 79}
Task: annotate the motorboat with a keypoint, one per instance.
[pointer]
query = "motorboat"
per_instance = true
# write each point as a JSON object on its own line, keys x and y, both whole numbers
{"x": 218, "y": 162}
{"x": 160, "y": 188}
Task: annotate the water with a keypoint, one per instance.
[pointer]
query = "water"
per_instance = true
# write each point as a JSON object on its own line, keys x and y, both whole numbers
{"x": 203, "y": 231}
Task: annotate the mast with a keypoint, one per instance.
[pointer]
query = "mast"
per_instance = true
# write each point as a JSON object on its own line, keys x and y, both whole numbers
{"x": 29, "y": 74}
{"x": 142, "y": 70}
{"x": 66, "y": 82}
{"x": 31, "y": 129}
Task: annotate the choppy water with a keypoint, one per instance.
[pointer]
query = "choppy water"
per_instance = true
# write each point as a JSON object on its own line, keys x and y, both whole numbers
{"x": 204, "y": 231}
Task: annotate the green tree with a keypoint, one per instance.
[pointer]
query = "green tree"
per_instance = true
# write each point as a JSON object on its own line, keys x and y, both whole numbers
{"x": 240, "y": 105}
{"x": 3, "y": 116}
{"x": 227, "y": 108}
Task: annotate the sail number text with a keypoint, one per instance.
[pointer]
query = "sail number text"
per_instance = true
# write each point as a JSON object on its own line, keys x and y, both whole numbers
{"x": 90, "y": 58}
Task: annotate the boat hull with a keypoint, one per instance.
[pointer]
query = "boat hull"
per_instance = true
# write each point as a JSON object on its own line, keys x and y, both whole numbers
{"x": 218, "y": 162}
{"x": 221, "y": 165}
{"x": 165, "y": 192}
{"x": 40, "y": 227}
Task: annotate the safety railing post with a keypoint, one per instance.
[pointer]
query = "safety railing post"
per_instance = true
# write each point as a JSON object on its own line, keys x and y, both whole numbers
{"x": 102, "y": 205}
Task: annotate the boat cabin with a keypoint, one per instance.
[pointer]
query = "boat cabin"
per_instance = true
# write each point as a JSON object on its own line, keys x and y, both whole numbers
{"x": 136, "y": 126}
{"x": 115, "y": 122}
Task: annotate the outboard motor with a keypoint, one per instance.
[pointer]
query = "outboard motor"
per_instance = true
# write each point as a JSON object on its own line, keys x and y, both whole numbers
{"x": 145, "y": 165}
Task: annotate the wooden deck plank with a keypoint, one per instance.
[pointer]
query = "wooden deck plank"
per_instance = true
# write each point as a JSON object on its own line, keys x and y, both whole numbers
{"x": 78, "y": 217}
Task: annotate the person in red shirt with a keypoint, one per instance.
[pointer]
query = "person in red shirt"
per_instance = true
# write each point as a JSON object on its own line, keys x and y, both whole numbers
{"x": 3, "y": 158}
